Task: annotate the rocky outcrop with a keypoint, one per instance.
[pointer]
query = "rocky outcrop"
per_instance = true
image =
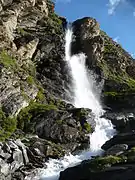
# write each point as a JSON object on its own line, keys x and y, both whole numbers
{"x": 87, "y": 39}
{"x": 108, "y": 60}
{"x": 31, "y": 55}
{"x": 66, "y": 127}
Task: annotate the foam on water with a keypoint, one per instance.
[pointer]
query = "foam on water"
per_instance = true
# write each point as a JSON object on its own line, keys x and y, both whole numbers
{"x": 84, "y": 96}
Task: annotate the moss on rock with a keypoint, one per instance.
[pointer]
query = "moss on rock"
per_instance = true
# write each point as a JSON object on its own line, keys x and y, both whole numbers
{"x": 25, "y": 116}
{"x": 100, "y": 163}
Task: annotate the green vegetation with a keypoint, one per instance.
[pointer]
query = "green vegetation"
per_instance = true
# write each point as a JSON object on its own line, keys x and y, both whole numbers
{"x": 29, "y": 67}
{"x": 131, "y": 154}
{"x": 30, "y": 80}
{"x": 7, "y": 60}
{"x": 40, "y": 95}
{"x": 100, "y": 163}
{"x": 81, "y": 113}
{"x": 21, "y": 31}
{"x": 114, "y": 63}
{"x": 55, "y": 18}
{"x": 87, "y": 127}
{"x": 25, "y": 117}
{"x": 25, "y": 95}
{"x": 111, "y": 93}
{"x": 59, "y": 122}
{"x": 7, "y": 126}
{"x": 109, "y": 48}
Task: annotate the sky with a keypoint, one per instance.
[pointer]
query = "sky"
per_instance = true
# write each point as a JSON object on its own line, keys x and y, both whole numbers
{"x": 116, "y": 17}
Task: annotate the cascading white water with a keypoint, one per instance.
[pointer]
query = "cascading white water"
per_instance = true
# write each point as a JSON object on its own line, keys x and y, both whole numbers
{"x": 83, "y": 97}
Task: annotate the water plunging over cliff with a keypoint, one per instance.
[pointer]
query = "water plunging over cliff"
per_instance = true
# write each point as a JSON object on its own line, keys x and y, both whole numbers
{"x": 83, "y": 97}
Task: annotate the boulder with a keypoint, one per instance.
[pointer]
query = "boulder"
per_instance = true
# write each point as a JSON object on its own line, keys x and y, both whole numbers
{"x": 121, "y": 138}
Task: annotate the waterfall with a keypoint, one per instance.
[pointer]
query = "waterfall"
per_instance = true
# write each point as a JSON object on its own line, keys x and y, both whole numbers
{"x": 84, "y": 96}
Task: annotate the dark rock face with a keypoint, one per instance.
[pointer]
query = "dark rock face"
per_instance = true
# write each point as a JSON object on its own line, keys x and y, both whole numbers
{"x": 113, "y": 173}
{"x": 66, "y": 127}
{"x": 120, "y": 101}
{"x": 123, "y": 138}
{"x": 123, "y": 121}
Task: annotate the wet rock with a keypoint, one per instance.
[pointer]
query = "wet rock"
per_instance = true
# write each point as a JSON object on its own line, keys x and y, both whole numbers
{"x": 116, "y": 150}
{"x": 66, "y": 127}
{"x": 19, "y": 158}
{"x": 122, "y": 138}
{"x": 123, "y": 121}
